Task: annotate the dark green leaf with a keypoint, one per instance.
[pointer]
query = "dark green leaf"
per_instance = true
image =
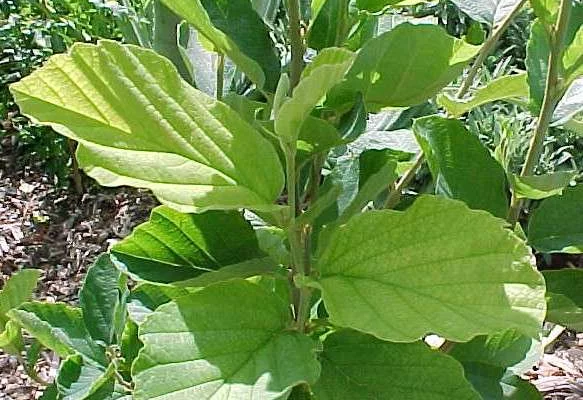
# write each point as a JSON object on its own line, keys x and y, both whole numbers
{"x": 461, "y": 166}
{"x": 359, "y": 366}
{"x": 565, "y": 297}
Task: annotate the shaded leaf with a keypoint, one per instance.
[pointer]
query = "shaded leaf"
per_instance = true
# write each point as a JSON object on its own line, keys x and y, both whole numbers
{"x": 488, "y": 12}
{"x": 359, "y": 366}
{"x": 173, "y": 247}
{"x": 565, "y": 297}
{"x": 58, "y": 327}
{"x": 462, "y": 167}
{"x": 556, "y": 226}
{"x": 17, "y": 289}
{"x": 78, "y": 380}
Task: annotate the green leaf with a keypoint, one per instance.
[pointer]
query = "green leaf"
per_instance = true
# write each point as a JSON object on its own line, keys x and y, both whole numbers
{"x": 573, "y": 56}
{"x": 78, "y": 380}
{"x": 228, "y": 341}
{"x": 331, "y": 26}
{"x": 507, "y": 349}
{"x": 546, "y": 10}
{"x": 132, "y": 113}
{"x": 173, "y": 247}
{"x": 101, "y": 300}
{"x": 11, "y": 341}
{"x": 565, "y": 297}
{"x": 571, "y": 104}
{"x": 404, "y": 67}
{"x": 505, "y": 88}
{"x": 556, "y": 226}
{"x": 359, "y": 366}
{"x": 237, "y": 31}
{"x": 443, "y": 268}
{"x": 461, "y": 166}
{"x": 60, "y": 328}
{"x": 316, "y": 136}
{"x": 375, "y": 5}
{"x": 17, "y": 290}
{"x": 487, "y": 12}
{"x": 538, "y": 187}
{"x": 494, "y": 384}
{"x": 165, "y": 38}
{"x": 325, "y": 71}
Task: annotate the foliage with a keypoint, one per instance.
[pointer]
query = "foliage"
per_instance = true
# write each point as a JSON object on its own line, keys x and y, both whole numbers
{"x": 276, "y": 267}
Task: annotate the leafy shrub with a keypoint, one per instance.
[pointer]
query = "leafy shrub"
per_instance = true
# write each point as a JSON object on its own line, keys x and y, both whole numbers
{"x": 317, "y": 289}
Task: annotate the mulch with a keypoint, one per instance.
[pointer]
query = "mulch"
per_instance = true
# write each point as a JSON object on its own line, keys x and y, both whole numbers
{"x": 61, "y": 233}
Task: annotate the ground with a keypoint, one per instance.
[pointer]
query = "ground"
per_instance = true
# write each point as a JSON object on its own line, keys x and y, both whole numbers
{"x": 60, "y": 232}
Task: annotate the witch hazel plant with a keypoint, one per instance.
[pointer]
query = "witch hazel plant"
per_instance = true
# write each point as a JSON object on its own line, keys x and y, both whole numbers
{"x": 275, "y": 267}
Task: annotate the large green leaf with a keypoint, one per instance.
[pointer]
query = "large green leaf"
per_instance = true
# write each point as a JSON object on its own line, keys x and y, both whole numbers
{"x": 228, "y": 341}
{"x": 17, "y": 289}
{"x": 405, "y": 66}
{"x": 236, "y": 30}
{"x": 139, "y": 124}
{"x": 60, "y": 328}
{"x": 325, "y": 71}
{"x": 557, "y": 225}
{"x": 489, "y": 12}
{"x": 173, "y": 247}
{"x": 359, "y": 366}
{"x": 438, "y": 267}
{"x": 461, "y": 165}
{"x": 565, "y": 297}
{"x": 102, "y": 302}
{"x": 505, "y": 88}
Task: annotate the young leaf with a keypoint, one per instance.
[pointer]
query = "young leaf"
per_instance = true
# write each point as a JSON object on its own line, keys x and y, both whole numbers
{"x": 404, "y": 67}
{"x": 461, "y": 166}
{"x": 565, "y": 297}
{"x": 237, "y": 31}
{"x": 537, "y": 55}
{"x": 228, "y": 341}
{"x": 17, "y": 289}
{"x": 60, "y": 328}
{"x": 573, "y": 57}
{"x": 487, "y": 12}
{"x": 327, "y": 69}
{"x": 539, "y": 187}
{"x": 132, "y": 113}
{"x": 101, "y": 300}
{"x": 359, "y": 366}
{"x": 173, "y": 247}
{"x": 508, "y": 87}
{"x": 443, "y": 268}
{"x": 78, "y": 380}
{"x": 557, "y": 225}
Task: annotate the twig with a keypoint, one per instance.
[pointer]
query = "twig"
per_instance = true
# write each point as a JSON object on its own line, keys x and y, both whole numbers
{"x": 550, "y": 100}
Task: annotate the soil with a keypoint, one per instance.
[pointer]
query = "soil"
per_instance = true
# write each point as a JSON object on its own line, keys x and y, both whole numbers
{"x": 60, "y": 232}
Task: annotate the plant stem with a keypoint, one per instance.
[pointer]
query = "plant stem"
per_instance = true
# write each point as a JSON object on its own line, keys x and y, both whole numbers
{"x": 297, "y": 45}
{"x": 76, "y": 172}
{"x": 395, "y": 195}
{"x": 487, "y": 49}
{"x": 550, "y": 100}
{"x": 220, "y": 76}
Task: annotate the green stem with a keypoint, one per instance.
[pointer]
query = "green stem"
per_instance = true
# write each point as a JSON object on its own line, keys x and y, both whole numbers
{"x": 487, "y": 48}
{"x": 551, "y": 97}
{"x": 297, "y": 45}
{"x": 220, "y": 76}
{"x": 395, "y": 195}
